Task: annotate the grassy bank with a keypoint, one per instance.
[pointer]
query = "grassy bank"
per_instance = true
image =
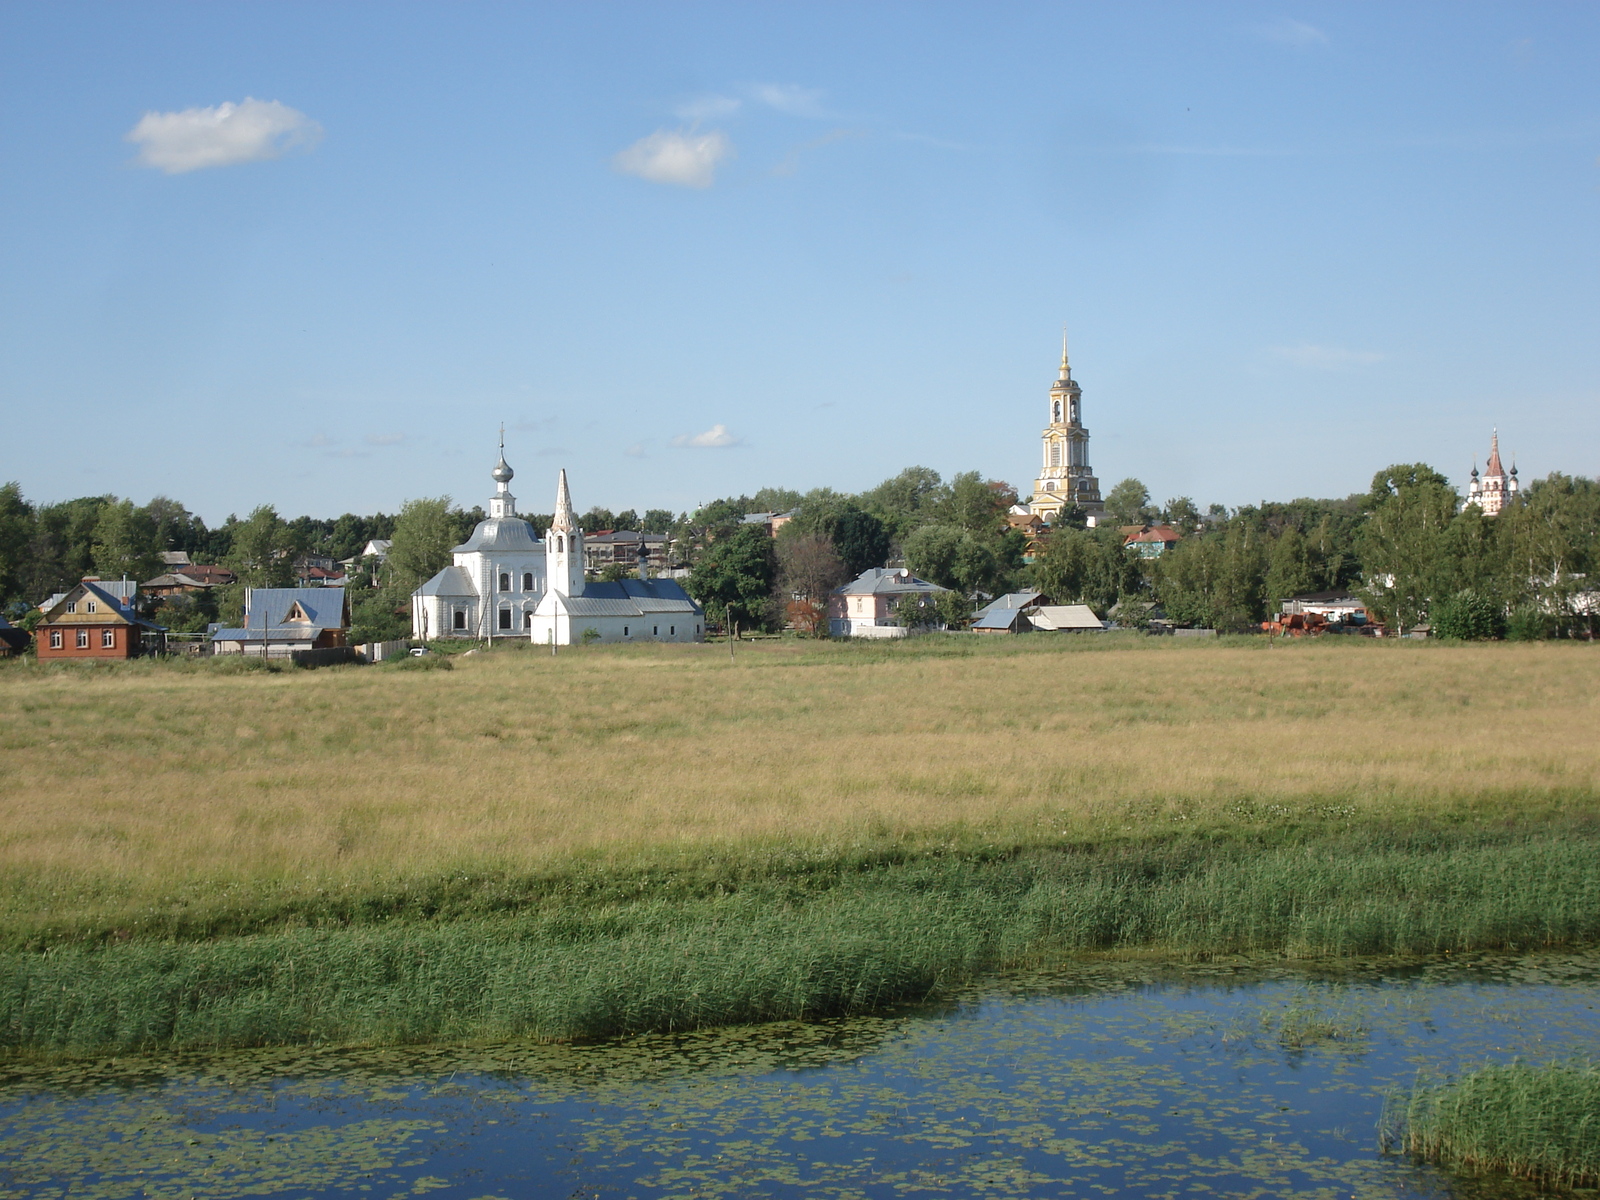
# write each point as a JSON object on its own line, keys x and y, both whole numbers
{"x": 776, "y": 948}
{"x": 637, "y": 837}
{"x": 1535, "y": 1122}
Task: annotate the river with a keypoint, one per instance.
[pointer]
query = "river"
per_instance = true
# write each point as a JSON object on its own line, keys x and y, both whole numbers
{"x": 1127, "y": 1080}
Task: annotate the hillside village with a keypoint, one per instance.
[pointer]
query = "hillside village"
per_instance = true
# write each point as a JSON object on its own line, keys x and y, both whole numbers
{"x": 1411, "y": 557}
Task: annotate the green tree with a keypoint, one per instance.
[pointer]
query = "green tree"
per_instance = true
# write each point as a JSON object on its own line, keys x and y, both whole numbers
{"x": 1087, "y": 566}
{"x": 1129, "y": 504}
{"x": 424, "y": 532}
{"x": 910, "y": 499}
{"x": 1182, "y": 515}
{"x": 1469, "y": 617}
{"x": 596, "y": 520}
{"x": 1215, "y": 580}
{"x": 657, "y": 520}
{"x": 126, "y": 543}
{"x": 1402, "y": 542}
{"x": 263, "y": 550}
{"x": 977, "y": 505}
{"x": 627, "y": 519}
{"x": 859, "y": 538}
{"x": 951, "y": 557}
{"x": 1290, "y": 571}
{"x": 16, "y": 532}
{"x": 734, "y": 576}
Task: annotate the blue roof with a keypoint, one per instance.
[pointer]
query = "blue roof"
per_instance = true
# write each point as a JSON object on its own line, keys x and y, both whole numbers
{"x": 999, "y": 618}
{"x": 636, "y": 589}
{"x": 269, "y": 606}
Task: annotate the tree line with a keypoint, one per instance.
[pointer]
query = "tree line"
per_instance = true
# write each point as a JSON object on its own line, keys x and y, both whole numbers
{"x": 1407, "y": 546}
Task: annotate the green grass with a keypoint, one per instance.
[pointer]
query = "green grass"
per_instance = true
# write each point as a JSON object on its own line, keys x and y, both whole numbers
{"x": 1535, "y": 1122}
{"x": 588, "y": 963}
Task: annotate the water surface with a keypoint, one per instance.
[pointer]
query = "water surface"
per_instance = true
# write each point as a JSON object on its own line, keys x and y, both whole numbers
{"x": 1099, "y": 1080}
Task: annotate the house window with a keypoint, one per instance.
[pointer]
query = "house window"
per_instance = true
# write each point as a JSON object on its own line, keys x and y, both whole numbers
{"x": 83, "y": 639}
{"x": 505, "y": 582}
{"x": 527, "y": 620}
{"x": 72, "y": 606}
{"x": 55, "y": 639}
{"x": 90, "y": 607}
{"x": 527, "y": 581}
{"x": 108, "y": 640}
{"x": 461, "y": 618}
{"x": 505, "y": 618}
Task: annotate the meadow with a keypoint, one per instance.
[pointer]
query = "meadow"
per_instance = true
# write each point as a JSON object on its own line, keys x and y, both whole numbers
{"x": 638, "y": 837}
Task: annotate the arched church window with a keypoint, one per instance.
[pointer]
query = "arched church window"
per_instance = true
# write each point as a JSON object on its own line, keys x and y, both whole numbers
{"x": 527, "y": 620}
{"x": 527, "y": 581}
{"x": 461, "y": 618}
{"x": 505, "y": 581}
{"x": 1057, "y": 416}
{"x": 561, "y": 544}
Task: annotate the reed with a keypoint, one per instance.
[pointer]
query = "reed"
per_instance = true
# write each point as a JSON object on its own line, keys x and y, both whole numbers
{"x": 776, "y": 947}
{"x": 1538, "y": 1122}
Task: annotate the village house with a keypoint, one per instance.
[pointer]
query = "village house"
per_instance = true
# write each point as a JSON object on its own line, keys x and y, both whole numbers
{"x": 871, "y": 605}
{"x": 187, "y": 578}
{"x": 13, "y": 641}
{"x": 1008, "y": 613}
{"x": 773, "y": 521}
{"x": 124, "y": 591}
{"x": 1066, "y": 618}
{"x": 1150, "y": 541}
{"x": 280, "y": 621}
{"x": 93, "y": 621}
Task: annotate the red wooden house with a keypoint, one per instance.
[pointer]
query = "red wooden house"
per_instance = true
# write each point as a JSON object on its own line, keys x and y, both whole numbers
{"x": 89, "y": 622}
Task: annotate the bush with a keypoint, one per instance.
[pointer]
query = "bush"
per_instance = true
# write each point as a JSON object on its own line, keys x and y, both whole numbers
{"x": 1468, "y": 617}
{"x": 1528, "y": 624}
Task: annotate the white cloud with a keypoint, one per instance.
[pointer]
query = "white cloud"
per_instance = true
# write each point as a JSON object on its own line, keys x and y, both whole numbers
{"x": 176, "y": 142}
{"x": 1326, "y": 358}
{"x": 385, "y": 439}
{"x": 635, "y": 451}
{"x": 1289, "y": 32}
{"x": 685, "y": 158}
{"x": 791, "y": 161}
{"x": 717, "y": 435}
{"x": 708, "y": 108}
{"x": 790, "y": 98}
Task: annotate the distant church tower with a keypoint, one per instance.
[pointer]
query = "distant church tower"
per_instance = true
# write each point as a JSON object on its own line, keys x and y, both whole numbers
{"x": 1496, "y": 487}
{"x": 1066, "y": 477}
{"x": 563, "y": 546}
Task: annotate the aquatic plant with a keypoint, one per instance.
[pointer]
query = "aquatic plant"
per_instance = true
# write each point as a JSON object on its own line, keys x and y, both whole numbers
{"x": 1538, "y": 1122}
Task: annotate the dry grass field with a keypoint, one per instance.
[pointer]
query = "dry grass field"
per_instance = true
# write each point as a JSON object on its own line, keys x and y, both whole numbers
{"x": 143, "y": 780}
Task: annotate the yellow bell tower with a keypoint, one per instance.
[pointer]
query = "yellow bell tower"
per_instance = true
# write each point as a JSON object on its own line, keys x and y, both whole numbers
{"x": 1065, "y": 477}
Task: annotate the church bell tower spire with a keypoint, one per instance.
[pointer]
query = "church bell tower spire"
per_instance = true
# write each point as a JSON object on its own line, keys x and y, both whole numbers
{"x": 563, "y": 545}
{"x": 503, "y": 504}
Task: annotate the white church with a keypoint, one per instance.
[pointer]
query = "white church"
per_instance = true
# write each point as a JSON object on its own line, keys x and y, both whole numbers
{"x": 506, "y": 582}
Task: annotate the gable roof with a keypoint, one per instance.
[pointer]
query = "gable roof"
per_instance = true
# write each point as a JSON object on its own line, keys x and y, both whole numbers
{"x": 1006, "y": 620}
{"x": 1011, "y": 600}
{"x": 324, "y": 607}
{"x": 1065, "y": 617}
{"x": 887, "y": 581}
{"x": 120, "y": 589}
{"x": 110, "y": 606}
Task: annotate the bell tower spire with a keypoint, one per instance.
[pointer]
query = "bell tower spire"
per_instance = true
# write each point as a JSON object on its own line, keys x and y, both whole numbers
{"x": 1066, "y": 367}
{"x": 1065, "y": 476}
{"x": 563, "y": 545}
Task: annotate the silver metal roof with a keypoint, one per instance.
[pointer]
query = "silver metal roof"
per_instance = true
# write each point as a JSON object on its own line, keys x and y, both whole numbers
{"x": 501, "y": 535}
{"x": 452, "y": 581}
{"x": 887, "y": 581}
{"x": 269, "y": 606}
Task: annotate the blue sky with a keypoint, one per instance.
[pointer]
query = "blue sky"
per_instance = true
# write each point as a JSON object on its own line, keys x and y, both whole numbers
{"x": 688, "y": 250}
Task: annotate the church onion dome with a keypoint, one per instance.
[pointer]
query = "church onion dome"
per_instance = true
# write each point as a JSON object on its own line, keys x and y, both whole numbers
{"x": 502, "y": 472}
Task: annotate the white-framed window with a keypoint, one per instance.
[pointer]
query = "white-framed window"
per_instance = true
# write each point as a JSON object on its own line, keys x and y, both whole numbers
{"x": 55, "y": 639}
{"x": 91, "y": 607}
{"x": 72, "y": 606}
{"x": 527, "y": 581}
{"x": 461, "y": 618}
{"x": 108, "y": 639}
{"x": 505, "y": 618}
{"x": 505, "y": 581}
{"x": 83, "y": 639}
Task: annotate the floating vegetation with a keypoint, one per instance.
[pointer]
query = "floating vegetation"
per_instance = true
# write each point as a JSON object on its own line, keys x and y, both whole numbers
{"x": 1538, "y": 1122}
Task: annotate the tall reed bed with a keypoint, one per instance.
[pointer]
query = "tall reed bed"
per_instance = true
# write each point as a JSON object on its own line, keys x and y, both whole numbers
{"x": 769, "y": 950}
{"x": 1538, "y": 1122}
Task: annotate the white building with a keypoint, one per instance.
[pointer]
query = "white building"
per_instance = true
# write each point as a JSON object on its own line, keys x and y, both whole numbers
{"x": 627, "y": 610}
{"x": 505, "y": 582}
{"x": 883, "y": 602}
{"x": 1066, "y": 478}
{"x": 1496, "y": 487}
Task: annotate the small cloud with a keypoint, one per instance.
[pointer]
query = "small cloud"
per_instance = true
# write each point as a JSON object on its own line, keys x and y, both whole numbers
{"x": 685, "y": 158}
{"x": 1326, "y": 358}
{"x": 1286, "y": 31}
{"x": 250, "y": 131}
{"x": 385, "y": 439}
{"x": 791, "y": 161}
{"x": 708, "y": 108}
{"x": 791, "y": 99}
{"x": 635, "y": 451}
{"x": 717, "y": 435}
